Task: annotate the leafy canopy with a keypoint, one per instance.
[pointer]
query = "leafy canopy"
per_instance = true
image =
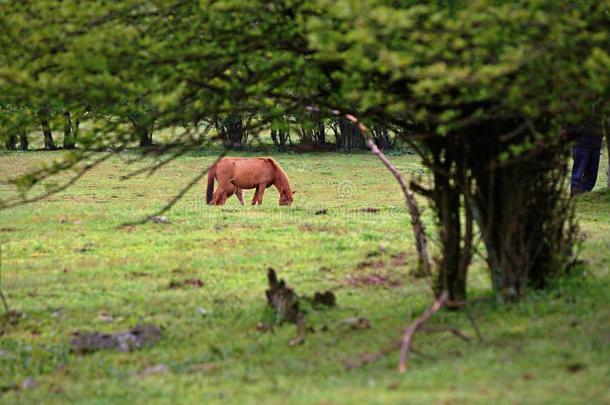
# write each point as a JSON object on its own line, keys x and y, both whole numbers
{"x": 438, "y": 65}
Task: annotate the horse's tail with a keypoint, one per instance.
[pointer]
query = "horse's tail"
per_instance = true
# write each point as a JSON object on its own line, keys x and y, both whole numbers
{"x": 209, "y": 192}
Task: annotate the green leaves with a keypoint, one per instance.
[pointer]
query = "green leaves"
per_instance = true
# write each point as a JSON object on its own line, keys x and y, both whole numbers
{"x": 436, "y": 64}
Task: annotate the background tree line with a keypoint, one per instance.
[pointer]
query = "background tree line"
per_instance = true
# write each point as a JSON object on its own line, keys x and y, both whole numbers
{"x": 233, "y": 130}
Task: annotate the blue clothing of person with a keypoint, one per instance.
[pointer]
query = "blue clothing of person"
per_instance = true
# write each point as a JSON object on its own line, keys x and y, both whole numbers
{"x": 586, "y": 153}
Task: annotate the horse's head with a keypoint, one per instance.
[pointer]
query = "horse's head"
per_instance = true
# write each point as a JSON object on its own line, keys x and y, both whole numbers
{"x": 286, "y": 197}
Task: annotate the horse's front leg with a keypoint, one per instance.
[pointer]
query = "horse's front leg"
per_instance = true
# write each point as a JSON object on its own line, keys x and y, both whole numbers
{"x": 239, "y": 192}
{"x": 259, "y": 195}
{"x": 255, "y": 196}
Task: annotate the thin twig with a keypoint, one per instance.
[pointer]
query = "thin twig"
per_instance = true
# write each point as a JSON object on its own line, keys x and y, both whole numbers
{"x": 181, "y": 194}
{"x": 411, "y": 329}
{"x": 58, "y": 189}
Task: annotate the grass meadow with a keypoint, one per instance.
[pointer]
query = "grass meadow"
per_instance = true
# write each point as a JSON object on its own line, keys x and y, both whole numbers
{"x": 69, "y": 263}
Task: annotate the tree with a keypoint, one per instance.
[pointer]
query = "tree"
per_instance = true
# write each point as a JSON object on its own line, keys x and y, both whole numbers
{"x": 10, "y": 141}
{"x": 606, "y": 129}
{"x": 474, "y": 85}
{"x": 24, "y": 142}
{"x": 142, "y": 116}
{"x": 69, "y": 135}
{"x": 44, "y": 116}
{"x": 349, "y": 137}
{"x": 381, "y": 136}
{"x": 15, "y": 119}
{"x": 232, "y": 130}
{"x": 280, "y": 133}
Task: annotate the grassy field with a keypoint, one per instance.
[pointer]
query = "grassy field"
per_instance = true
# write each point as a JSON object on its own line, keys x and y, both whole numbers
{"x": 70, "y": 265}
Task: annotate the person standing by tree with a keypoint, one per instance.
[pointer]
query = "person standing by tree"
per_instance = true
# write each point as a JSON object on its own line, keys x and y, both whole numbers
{"x": 586, "y": 153}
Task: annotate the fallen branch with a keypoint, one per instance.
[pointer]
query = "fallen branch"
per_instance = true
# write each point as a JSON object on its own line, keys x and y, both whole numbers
{"x": 368, "y": 358}
{"x": 411, "y": 329}
{"x": 405, "y": 344}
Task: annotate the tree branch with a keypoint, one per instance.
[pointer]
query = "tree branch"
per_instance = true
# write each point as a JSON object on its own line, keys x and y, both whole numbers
{"x": 58, "y": 189}
{"x": 416, "y": 222}
{"x": 418, "y": 226}
{"x": 181, "y": 194}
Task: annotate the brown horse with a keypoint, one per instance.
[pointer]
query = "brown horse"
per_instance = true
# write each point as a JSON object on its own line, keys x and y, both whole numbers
{"x": 236, "y": 174}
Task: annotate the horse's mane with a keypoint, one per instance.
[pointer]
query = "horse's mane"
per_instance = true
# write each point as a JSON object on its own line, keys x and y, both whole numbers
{"x": 283, "y": 177}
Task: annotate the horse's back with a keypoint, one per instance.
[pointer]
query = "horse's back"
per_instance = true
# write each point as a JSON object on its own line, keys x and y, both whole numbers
{"x": 248, "y": 172}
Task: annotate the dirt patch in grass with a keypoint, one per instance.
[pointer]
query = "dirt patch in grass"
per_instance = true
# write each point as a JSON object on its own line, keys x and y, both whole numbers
{"x": 372, "y": 264}
{"x": 188, "y": 282}
{"x": 374, "y": 279}
{"x": 307, "y": 227}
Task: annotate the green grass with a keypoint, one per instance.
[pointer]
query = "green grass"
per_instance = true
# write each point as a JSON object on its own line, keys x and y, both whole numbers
{"x": 68, "y": 260}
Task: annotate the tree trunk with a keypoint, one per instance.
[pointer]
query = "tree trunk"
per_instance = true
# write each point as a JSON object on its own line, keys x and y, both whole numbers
{"x": 279, "y": 138}
{"x": 23, "y": 139}
{"x": 526, "y": 220}
{"x": 381, "y": 136}
{"x": 607, "y": 133}
{"x": 69, "y": 135}
{"x": 455, "y": 259}
{"x": 11, "y": 142}
{"x": 451, "y": 277}
{"x": 350, "y": 138}
{"x": 320, "y": 134}
{"x": 49, "y": 143}
{"x": 144, "y": 136}
{"x": 232, "y": 131}
{"x": 608, "y": 156}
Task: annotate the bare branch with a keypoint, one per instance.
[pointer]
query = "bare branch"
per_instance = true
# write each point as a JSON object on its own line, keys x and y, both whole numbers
{"x": 416, "y": 222}
{"x": 74, "y": 179}
{"x": 418, "y": 226}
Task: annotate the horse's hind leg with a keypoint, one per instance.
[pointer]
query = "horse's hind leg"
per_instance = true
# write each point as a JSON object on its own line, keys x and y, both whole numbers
{"x": 221, "y": 195}
{"x": 218, "y": 197}
{"x": 225, "y": 191}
